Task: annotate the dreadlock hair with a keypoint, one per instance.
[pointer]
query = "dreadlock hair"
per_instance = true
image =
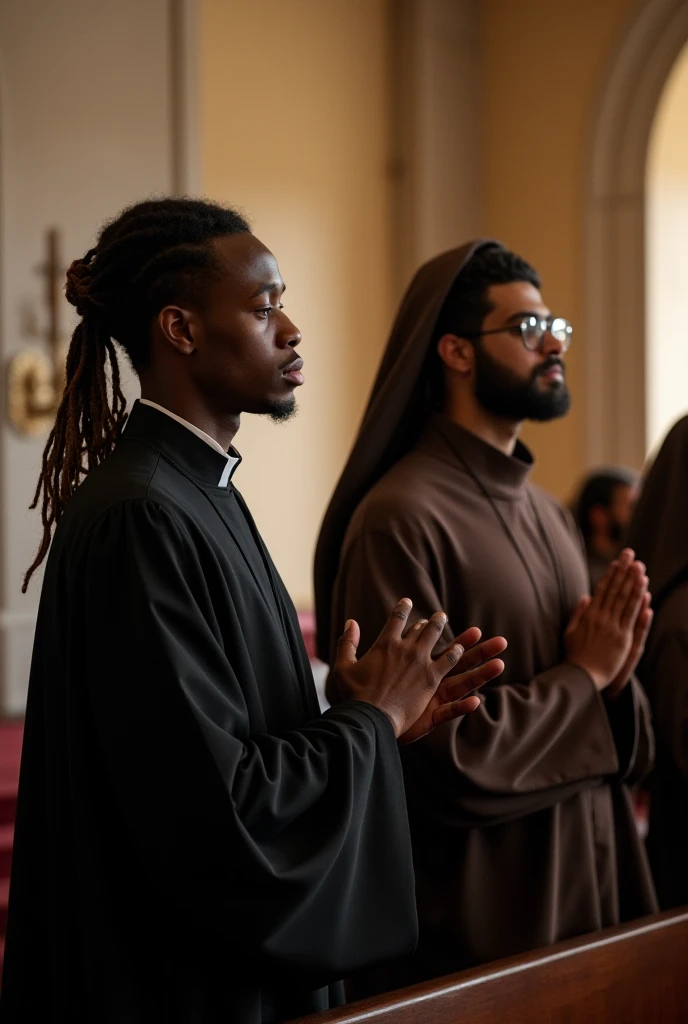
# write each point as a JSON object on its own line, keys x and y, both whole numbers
{"x": 153, "y": 253}
{"x": 467, "y": 304}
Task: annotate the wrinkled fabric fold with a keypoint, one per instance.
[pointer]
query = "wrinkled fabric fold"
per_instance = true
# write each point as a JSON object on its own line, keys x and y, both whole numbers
{"x": 522, "y": 826}
{"x": 194, "y": 842}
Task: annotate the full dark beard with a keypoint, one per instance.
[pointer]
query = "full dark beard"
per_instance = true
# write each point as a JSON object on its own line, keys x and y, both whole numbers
{"x": 280, "y": 412}
{"x": 502, "y": 393}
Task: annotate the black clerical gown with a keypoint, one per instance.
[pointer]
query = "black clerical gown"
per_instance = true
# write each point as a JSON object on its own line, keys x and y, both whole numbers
{"x": 194, "y": 842}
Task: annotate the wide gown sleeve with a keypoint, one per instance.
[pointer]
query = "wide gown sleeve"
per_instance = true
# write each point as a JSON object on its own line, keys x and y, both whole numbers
{"x": 529, "y": 745}
{"x": 294, "y": 847}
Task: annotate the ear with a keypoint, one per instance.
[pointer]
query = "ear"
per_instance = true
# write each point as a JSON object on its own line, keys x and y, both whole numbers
{"x": 177, "y": 326}
{"x": 456, "y": 353}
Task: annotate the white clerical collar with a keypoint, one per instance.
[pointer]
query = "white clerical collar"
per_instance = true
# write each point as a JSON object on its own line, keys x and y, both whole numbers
{"x": 233, "y": 457}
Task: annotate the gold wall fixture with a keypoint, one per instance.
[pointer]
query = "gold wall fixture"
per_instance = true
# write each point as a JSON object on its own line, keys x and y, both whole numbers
{"x": 35, "y": 381}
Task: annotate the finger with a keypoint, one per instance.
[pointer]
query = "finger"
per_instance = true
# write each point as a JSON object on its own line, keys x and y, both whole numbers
{"x": 600, "y": 592}
{"x": 347, "y": 645}
{"x": 643, "y": 623}
{"x": 469, "y": 637}
{"x": 647, "y": 615}
{"x": 629, "y": 611}
{"x": 415, "y": 630}
{"x": 481, "y": 652}
{"x": 640, "y": 633}
{"x": 458, "y": 686}
{"x": 432, "y": 631}
{"x": 579, "y": 611}
{"x": 396, "y": 623}
{"x": 448, "y": 712}
{"x": 616, "y": 581}
{"x": 447, "y": 661}
{"x": 617, "y": 605}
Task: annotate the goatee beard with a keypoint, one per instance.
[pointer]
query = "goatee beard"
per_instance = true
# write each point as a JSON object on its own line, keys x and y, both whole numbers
{"x": 280, "y": 412}
{"x": 502, "y": 393}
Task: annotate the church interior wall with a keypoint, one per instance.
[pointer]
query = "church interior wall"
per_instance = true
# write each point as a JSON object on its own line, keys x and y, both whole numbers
{"x": 86, "y": 128}
{"x": 295, "y": 131}
{"x": 542, "y": 69}
{"x": 361, "y": 136}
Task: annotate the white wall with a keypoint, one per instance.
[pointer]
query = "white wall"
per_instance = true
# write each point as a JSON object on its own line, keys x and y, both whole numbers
{"x": 667, "y": 258}
{"x": 86, "y": 127}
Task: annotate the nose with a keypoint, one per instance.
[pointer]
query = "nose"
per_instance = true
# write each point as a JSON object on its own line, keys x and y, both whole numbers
{"x": 549, "y": 345}
{"x": 288, "y": 336}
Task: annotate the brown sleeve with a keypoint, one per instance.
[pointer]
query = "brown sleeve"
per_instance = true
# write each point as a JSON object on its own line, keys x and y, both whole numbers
{"x": 527, "y": 747}
{"x": 631, "y": 724}
{"x": 666, "y": 681}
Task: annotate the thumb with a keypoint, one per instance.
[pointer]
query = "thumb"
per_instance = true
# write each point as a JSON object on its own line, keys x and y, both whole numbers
{"x": 347, "y": 645}
{"x": 578, "y": 613}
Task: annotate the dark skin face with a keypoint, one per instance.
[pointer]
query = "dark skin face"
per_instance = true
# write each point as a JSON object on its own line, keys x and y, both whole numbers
{"x": 511, "y": 302}
{"x": 234, "y": 354}
{"x": 493, "y": 383}
{"x": 608, "y": 525}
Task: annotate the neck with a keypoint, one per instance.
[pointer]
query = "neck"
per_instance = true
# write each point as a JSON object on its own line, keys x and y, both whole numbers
{"x": 190, "y": 407}
{"x": 500, "y": 433}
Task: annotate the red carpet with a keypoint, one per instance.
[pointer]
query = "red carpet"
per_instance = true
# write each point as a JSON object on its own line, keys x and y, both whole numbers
{"x": 10, "y": 753}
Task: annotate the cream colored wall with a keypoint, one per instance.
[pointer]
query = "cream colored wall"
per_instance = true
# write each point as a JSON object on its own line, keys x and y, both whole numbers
{"x": 542, "y": 69}
{"x": 86, "y": 127}
{"x": 295, "y": 133}
{"x": 667, "y": 258}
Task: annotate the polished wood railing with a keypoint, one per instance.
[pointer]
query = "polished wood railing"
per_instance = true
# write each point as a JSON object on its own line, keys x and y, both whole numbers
{"x": 636, "y": 974}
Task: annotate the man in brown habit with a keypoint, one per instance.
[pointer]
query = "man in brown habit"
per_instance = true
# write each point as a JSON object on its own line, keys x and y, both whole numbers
{"x": 522, "y": 825}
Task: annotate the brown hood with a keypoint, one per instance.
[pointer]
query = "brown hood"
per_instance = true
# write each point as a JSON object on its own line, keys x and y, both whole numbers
{"x": 394, "y": 417}
{"x": 659, "y": 530}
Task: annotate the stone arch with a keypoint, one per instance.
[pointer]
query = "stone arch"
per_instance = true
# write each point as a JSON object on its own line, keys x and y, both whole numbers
{"x": 614, "y": 230}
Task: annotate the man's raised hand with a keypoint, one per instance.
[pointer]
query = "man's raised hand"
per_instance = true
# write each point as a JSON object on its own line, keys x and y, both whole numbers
{"x": 607, "y": 632}
{"x": 477, "y": 665}
{"x": 400, "y": 675}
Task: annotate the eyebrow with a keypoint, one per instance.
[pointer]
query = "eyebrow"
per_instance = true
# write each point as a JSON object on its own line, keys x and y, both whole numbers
{"x": 527, "y": 312}
{"x": 269, "y": 286}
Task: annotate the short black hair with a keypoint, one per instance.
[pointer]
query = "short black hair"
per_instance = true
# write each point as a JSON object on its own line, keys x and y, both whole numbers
{"x": 598, "y": 490}
{"x": 467, "y": 304}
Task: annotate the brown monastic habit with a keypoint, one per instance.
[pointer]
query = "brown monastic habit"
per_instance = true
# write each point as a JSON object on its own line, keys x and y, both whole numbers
{"x": 659, "y": 530}
{"x": 521, "y": 819}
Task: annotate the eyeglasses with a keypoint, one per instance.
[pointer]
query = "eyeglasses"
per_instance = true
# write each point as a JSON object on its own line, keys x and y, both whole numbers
{"x": 533, "y": 329}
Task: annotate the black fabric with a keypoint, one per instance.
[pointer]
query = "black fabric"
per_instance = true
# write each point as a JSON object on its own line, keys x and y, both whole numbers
{"x": 194, "y": 842}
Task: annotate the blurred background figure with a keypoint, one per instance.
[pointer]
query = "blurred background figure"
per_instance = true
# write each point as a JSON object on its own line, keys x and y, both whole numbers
{"x": 659, "y": 534}
{"x": 603, "y": 509}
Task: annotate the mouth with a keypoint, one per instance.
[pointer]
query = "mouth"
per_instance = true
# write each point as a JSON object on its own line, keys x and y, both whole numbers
{"x": 553, "y": 373}
{"x": 292, "y": 372}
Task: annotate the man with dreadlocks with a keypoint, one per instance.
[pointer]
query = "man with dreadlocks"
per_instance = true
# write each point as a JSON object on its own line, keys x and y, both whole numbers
{"x": 194, "y": 843}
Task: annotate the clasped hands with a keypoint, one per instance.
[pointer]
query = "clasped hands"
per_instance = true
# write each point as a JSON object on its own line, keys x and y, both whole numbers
{"x": 399, "y": 674}
{"x": 607, "y": 632}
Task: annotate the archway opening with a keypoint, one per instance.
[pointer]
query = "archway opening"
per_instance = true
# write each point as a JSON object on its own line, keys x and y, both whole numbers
{"x": 666, "y": 266}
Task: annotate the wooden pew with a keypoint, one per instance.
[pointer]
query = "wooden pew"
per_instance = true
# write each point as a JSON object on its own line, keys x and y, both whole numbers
{"x": 636, "y": 974}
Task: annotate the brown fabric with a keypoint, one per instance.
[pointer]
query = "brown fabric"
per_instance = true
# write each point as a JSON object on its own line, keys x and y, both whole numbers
{"x": 394, "y": 417}
{"x": 522, "y": 826}
{"x": 659, "y": 530}
{"x": 659, "y": 533}
{"x": 664, "y": 672}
